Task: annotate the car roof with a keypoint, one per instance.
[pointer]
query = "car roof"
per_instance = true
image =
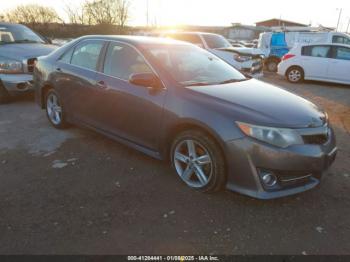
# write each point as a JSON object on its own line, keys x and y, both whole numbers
{"x": 136, "y": 40}
{"x": 190, "y": 33}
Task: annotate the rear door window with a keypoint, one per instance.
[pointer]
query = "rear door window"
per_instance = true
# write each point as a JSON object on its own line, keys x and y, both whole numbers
{"x": 66, "y": 57}
{"x": 86, "y": 54}
{"x": 321, "y": 51}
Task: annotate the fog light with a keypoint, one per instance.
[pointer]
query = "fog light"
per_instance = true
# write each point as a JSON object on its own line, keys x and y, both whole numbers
{"x": 269, "y": 179}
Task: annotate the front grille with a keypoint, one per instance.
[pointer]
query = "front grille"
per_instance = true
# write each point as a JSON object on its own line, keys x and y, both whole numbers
{"x": 315, "y": 139}
{"x": 31, "y": 64}
{"x": 257, "y": 63}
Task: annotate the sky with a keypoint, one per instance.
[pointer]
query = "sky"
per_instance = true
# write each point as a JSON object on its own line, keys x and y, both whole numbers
{"x": 219, "y": 12}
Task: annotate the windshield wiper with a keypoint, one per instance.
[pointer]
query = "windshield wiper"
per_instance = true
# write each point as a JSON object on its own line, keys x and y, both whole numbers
{"x": 24, "y": 41}
{"x": 233, "y": 81}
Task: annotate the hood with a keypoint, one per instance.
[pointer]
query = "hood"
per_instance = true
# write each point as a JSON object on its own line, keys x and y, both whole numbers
{"x": 243, "y": 50}
{"x": 256, "y": 102}
{"x": 24, "y": 51}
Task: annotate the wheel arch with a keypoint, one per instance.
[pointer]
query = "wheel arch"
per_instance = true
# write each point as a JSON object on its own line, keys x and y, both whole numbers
{"x": 295, "y": 66}
{"x": 273, "y": 58}
{"x": 46, "y": 87}
{"x": 188, "y": 125}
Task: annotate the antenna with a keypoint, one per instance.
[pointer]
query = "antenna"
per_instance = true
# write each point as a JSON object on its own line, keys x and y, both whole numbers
{"x": 147, "y": 12}
{"x": 340, "y": 11}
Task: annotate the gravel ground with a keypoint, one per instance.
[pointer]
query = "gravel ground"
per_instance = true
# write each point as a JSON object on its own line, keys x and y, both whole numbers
{"x": 73, "y": 191}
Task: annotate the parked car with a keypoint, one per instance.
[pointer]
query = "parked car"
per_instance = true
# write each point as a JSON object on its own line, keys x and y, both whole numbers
{"x": 19, "y": 49}
{"x": 235, "y": 43}
{"x": 245, "y": 62}
{"x": 173, "y": 100}
{"x": 323, "y": 62}
{"x": 275, "y": 45}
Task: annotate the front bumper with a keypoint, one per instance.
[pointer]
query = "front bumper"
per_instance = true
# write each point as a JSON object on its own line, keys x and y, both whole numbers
{"x": 254, "y": 69}
{"x": 297, "y": 168}
{"x": 17, "y": 83}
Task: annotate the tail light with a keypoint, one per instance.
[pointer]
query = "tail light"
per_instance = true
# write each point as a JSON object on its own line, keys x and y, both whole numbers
{"x": 287, "y": 56}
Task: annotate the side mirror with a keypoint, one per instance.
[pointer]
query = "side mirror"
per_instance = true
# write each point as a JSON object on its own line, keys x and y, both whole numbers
{"x": 148, "y": 80}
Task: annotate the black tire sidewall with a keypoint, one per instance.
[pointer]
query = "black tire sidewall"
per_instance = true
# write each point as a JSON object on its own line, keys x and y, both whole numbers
{"x": 272, "y": 61}
{"x": 218, "y": 177}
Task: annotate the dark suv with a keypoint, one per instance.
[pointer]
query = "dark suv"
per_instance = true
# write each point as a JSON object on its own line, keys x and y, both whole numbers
{"x": 19, "y": 49}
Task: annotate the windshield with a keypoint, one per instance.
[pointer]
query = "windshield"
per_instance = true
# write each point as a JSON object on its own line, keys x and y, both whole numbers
{"x": 216, "y": 41}
{"x": 18, "y": 34}
{"x": 191, "y": 65}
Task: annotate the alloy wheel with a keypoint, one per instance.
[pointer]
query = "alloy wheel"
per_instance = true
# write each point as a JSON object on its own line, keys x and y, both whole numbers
{"x": 54, "y": 109}
{"x": 193, "y": 163}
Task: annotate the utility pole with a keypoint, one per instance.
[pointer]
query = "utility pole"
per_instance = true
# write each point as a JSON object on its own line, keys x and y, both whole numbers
{"x": 147, "y": 13}
{"x": 340, "y": 11}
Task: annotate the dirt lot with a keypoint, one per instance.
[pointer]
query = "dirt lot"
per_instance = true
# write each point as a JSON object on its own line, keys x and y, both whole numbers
{"x": 67, "y": 192}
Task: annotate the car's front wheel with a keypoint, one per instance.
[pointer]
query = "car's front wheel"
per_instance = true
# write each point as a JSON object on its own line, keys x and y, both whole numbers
{"x": 272, "y": 65}
{"x": 198, "y": 161}
{"x": 54, "y": 109}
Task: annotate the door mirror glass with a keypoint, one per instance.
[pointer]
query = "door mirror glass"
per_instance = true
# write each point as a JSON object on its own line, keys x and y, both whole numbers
{"x": 145, "y": 80}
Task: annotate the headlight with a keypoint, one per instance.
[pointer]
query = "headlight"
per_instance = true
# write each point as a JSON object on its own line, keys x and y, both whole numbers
{"x": 281, "y": 137}
{"x": 240, "y": 58}
{"x": 8, "y": 66}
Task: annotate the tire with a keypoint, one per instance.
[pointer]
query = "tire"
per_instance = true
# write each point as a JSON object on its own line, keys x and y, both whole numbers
{"x": 272, "y": 65}
{"x": 295, "y": 74}
{"x": 4, "y": 95}
{"x": 208, "y": 158}
{"x": 54, "y": 110}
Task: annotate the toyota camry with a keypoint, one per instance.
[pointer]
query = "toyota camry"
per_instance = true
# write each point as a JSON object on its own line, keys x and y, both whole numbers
{"x": 175, "y": 101}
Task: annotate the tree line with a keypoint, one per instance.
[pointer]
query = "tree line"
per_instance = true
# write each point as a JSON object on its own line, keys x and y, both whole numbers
{"x": 95, "y": 12}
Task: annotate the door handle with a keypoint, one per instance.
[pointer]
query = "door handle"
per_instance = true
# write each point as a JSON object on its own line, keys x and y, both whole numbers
{"x": 101, "y": 84}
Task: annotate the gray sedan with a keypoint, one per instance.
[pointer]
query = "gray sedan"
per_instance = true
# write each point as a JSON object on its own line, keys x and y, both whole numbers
{"x": 173, "y": 100}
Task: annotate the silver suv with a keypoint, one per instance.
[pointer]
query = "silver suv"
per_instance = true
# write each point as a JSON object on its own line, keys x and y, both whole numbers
{"x": 19, "y": 49}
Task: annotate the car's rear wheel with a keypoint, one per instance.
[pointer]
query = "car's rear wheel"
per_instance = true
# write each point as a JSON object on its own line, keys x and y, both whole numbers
{"x": 295, "y": 75}
{"x": 198, "y": 161}
{"x": 4, "y": 95}
{"x": 272, "y": 65}
{"x": 54, "y": 109}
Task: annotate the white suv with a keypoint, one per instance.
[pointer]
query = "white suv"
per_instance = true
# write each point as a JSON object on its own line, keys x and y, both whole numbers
{"x": 322, "y": 62}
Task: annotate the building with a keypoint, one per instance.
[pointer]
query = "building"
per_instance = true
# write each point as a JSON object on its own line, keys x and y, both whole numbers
{"x": 279, "y": 23}
{"x": 244, "y": 32}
